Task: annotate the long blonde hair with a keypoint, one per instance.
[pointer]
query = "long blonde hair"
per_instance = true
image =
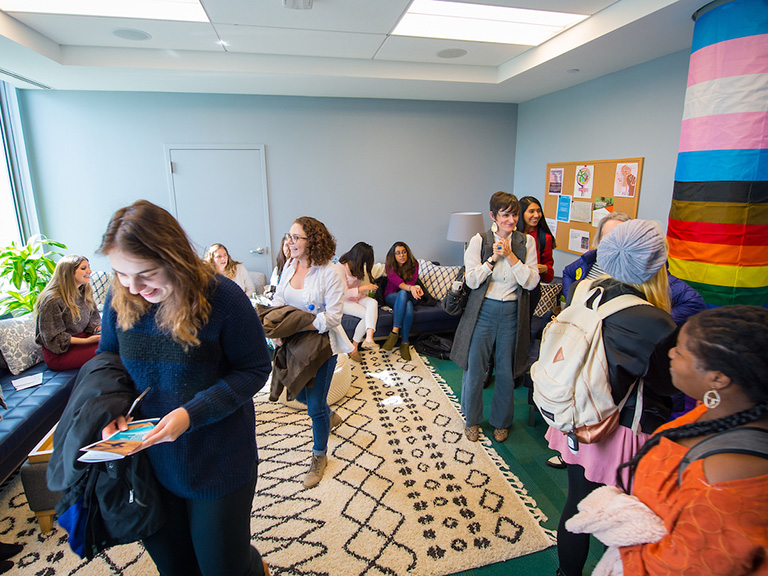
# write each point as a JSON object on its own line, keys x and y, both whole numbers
{"x": 148, "y": 232}
{"x": 62, "y": 285}
{"x": 230, "y": 270}
{"x": 656, "y": 289}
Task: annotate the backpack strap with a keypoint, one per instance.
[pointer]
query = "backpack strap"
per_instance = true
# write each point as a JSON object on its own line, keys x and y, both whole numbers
{"x": 749, "y": 440}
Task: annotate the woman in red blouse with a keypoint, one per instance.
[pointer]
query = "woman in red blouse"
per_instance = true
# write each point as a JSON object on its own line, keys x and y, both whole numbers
{"x": 532, "y": 222}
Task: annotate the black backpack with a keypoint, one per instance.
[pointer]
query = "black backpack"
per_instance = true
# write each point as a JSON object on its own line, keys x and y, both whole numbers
{"x": 434, "y": 345}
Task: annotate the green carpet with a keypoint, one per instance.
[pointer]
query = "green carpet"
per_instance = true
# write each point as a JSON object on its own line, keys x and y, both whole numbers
{"x": 525, "y": 451}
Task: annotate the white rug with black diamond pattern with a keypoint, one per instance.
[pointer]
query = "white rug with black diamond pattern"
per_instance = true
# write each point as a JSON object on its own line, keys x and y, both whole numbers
{"x": 404, "y": 491}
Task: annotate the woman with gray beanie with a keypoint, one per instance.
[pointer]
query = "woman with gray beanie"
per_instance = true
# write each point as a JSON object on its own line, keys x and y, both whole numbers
{"x": 636, "y": 340}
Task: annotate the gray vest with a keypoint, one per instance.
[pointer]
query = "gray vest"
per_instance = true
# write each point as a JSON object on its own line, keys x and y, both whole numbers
{"x": 463, "y": 337}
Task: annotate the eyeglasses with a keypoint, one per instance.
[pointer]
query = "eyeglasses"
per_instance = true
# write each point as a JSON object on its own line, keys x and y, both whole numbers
{"x": 293, "y": 238}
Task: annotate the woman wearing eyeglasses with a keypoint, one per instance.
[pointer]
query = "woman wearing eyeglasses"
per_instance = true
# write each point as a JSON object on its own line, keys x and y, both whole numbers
{"x": 311, "y": 282}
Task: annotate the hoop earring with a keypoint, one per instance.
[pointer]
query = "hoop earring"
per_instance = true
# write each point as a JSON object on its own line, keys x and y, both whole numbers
{"x": 494, "y": 227}
{"x": 712, "y": 399}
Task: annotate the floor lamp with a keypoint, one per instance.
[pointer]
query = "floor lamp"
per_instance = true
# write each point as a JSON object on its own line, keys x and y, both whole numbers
{"x": 463, "y": 225}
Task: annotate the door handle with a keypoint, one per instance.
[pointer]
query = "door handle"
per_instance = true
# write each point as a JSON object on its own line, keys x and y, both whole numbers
{"x": 258, "y": 250}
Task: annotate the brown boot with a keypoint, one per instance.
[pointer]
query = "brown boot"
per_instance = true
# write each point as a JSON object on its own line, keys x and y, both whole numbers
{"x": 405, "y": 351}
{"x": 391, "y": 341}
{"x": 316, "y": 471}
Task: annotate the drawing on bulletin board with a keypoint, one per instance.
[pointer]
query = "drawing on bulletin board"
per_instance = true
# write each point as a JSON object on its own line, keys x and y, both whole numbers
{"x": 590, "y": 191}
{"x": 626, "y": 179}
{"x": 582, "y": 187}
{"x": 556, "y": 181}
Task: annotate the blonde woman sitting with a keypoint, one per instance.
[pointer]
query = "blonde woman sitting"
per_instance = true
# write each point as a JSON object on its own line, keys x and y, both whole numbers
{"x": 218, "y": 256}
{"x": 68, "y": 324}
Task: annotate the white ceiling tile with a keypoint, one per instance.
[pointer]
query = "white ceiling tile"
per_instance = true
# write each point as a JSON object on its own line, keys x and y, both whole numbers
{"x": 92, "y": 31}
{"x": 317, "y": 43}
{"x": 371, "y": 16}
{"x": 406, "y": 49}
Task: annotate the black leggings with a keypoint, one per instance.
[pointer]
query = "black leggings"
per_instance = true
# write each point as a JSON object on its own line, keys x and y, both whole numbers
{"x": 207, "y": 537}
{"x": 572, "y": 549}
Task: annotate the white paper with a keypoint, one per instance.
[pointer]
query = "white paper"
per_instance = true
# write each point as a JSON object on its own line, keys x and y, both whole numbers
{"x": 598, "y": 215}
{"x": 28, "y": 381}
{"x": 578, "y": 241}
{"x": 581, "y": 212}
{"x": 99, "y": 456}
{"x": 391, "y": 401}
{"x": 552, "y": 223}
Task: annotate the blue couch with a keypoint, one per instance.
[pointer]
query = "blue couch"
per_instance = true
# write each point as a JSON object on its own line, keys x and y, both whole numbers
{"x": 437, "y": 280}
{"x": 31, "y": 413}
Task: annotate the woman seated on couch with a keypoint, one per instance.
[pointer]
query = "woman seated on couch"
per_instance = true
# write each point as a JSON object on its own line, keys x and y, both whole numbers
{"x": 401, "y": 293}
{"x": 68, "y": 324}
{"x": 217, "y": 255}
{"x": 357, "y": 265}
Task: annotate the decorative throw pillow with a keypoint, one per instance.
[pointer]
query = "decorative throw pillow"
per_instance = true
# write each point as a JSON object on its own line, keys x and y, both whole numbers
{"x": 437, "y": 279}
{"x": 17, "y": 343}
{"x": 100, "y": 282}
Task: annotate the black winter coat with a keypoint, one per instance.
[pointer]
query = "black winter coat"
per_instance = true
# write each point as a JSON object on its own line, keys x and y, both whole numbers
{"x": 120, "y": 499}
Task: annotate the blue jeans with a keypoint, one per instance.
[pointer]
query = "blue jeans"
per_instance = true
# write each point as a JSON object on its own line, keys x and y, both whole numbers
{"x": 316, "y": 399}
{"x": 401, "y": 303}
{"x": 497, "y": 322}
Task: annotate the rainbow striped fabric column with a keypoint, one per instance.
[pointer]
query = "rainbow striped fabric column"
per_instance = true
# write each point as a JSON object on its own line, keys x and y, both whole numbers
{"x": 718, "y": 223}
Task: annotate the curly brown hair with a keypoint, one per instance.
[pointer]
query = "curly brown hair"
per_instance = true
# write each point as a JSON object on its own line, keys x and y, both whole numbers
{"x": 148, "y": 232}
{"x": 321, "y": 245}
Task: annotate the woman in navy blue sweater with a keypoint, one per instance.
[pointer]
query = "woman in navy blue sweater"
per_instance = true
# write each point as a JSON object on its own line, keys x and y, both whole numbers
{"x": 196, "y": 342}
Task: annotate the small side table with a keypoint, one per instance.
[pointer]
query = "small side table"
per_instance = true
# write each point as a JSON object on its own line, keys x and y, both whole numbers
{"x": 33, "y": 477}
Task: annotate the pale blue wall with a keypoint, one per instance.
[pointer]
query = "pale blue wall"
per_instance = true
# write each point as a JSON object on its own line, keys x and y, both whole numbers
{"x": 373, "y": 170}
{"x": 633, "y": 113}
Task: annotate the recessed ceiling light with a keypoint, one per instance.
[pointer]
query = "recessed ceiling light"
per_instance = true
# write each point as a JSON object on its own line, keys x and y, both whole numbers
{"x": 452, "y": 53}
{"x": 482, "y": 23}
{"x": 181, "y": 10}
{"x": 131, "y": 34}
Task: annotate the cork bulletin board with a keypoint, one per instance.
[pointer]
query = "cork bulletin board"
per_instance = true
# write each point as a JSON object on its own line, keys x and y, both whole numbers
{"x": 580, "y": 194}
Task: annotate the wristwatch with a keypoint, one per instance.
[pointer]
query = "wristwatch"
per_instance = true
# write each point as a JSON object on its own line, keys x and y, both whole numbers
{"x": 491, "y": 261}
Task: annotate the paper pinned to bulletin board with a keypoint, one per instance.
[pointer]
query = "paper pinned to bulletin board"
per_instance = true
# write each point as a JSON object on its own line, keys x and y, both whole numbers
{"x": 580, "y": 194}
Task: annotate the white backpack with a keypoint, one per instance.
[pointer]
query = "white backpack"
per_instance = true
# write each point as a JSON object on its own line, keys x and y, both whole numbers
{"x": 571, "y": 386}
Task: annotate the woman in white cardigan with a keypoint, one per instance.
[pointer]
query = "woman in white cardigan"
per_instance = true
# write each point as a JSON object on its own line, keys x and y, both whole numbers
{"x": 311, "y": 282}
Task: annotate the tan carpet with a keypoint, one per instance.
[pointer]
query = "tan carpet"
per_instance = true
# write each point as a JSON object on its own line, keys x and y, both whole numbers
{"x": 404, "y": 491}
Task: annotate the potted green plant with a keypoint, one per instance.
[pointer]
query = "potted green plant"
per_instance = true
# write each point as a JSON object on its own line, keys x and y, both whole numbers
{"x": 28, "y": 269}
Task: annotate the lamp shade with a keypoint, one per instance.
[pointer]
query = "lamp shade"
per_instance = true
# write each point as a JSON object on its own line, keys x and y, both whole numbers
{"x": 463, "y": 225}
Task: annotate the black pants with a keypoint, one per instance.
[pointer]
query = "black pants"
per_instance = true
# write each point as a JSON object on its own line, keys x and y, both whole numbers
{"x": 572, "y": 549}
{"x": 207, "y": 537}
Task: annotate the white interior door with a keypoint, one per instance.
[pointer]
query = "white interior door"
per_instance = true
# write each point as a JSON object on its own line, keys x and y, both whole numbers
{"x": 219, "y": 194}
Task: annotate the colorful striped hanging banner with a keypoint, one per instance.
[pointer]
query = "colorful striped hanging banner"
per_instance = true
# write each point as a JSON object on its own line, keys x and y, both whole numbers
{"x": 718, "y": 223}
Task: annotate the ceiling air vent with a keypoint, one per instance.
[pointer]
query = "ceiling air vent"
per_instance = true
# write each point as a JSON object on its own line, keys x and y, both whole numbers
{"x": 298, "y": 4}
{"x": 20, "y": 78}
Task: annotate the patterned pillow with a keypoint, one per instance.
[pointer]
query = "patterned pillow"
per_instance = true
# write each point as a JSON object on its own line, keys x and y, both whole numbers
{"x": 17, "y": 343}
{"x": 100, "y": 281}
{"x": 437, "y": 279}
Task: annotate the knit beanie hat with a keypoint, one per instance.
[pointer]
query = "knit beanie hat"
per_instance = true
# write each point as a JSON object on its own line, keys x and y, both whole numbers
{"x": 633, "y": 252}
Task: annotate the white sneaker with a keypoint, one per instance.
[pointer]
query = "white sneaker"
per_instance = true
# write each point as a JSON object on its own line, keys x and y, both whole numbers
{"x": 316, "y": 471}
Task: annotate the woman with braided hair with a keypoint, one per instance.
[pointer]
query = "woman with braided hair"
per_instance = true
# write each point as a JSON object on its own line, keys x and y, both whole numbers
{"x": 716, "y": 512}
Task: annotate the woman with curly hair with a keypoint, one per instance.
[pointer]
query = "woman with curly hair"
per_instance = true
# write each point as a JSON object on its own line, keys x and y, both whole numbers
{"x": 196, "y": 344}
{"x": 312, "y": 283}
{"x": 715, "y": 507}
{"x": 68, "y": 322}
{"x": 217, "y": 256}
